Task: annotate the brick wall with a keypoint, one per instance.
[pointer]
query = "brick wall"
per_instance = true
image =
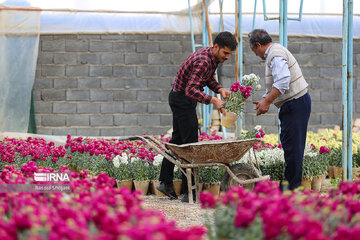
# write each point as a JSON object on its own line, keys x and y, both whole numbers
{"x": 113, "y": 85}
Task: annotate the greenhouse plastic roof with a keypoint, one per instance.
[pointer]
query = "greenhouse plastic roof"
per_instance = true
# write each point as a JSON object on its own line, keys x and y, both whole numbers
{"x": 56, "y": 21}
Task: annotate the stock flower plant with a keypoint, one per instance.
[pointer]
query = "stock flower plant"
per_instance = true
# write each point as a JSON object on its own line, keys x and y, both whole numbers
{"x": 240, "y": 92}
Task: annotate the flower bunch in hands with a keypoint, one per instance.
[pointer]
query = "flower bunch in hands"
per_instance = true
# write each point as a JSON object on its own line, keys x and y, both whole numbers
{"x": 240, "y": 92}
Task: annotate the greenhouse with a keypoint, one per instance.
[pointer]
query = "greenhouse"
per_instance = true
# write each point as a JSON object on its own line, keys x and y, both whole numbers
{"x": 197, "y": 119}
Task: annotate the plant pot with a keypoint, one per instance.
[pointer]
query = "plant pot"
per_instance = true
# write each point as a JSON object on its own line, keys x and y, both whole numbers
{"x": 177, "y": 186}
{"x": 316, "y": 183}
{"x": 228, "y": 119}
{"x": 338, "y": 172}
{"x": 153, "y": 185}
{"x": 331, "y": 171}
{"x": 214, "y": 189}
{"x": 143, "y": 186}
{"x": 306, "y": 184}
{"x": 128, "y": 183}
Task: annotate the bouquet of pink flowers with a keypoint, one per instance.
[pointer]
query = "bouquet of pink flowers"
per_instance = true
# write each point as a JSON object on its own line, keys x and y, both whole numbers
{"x": 240, "y": 92}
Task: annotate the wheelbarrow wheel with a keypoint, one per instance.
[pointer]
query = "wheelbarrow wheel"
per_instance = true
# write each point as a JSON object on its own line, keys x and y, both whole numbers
{"x": 243, "y": 171}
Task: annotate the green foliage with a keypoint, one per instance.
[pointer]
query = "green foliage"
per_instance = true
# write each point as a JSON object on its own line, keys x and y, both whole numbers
{"x": 315, "y": 165}
{"x": 335, "y": 182}
{"x": 140, "y": 169}
{"x": 178, "y": 173}
{"x": 211, "y": 175}
{"x": 222, "y": 227}
{"x": 275, "y": 170}
{"x": 335, "y": 158}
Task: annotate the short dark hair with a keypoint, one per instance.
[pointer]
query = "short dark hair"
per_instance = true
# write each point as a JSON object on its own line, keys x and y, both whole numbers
{"x": 259, "y": 36}
{"x": 226, "y": 39}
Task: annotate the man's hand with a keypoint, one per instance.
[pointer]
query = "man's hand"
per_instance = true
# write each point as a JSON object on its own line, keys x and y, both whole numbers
{"x": 218, "y": 104}
{"x": 225, "y": 94}
{"x": 261, "y": 107}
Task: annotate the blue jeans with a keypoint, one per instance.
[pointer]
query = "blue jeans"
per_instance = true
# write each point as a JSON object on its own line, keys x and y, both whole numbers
{"x": 294, "y": 117}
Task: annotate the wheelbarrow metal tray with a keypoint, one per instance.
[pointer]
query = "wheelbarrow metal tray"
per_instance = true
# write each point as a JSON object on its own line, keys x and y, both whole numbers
{"x": 221, "y": 151}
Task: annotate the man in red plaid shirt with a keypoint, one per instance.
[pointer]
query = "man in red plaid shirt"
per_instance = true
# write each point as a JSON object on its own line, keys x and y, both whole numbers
{"x": 196, "y": 72}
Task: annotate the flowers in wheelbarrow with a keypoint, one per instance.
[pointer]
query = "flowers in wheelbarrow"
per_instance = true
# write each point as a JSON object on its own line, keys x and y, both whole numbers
{"x": 240, "y": 92}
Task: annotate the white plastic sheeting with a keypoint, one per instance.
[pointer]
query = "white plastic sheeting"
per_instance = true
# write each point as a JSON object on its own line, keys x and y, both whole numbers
{"x": 110, "y": 22}
{"x": 19, "y": 40}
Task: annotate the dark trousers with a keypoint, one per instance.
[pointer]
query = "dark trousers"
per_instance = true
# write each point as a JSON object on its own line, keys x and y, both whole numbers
{"x": 294, "y": 117}
{"x": 185, "y": 130}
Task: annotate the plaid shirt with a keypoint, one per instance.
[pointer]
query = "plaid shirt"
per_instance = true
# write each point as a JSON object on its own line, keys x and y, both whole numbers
{"x": 196, "y": 72}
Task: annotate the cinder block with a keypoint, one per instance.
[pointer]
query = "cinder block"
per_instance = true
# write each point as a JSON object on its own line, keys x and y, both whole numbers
{"x": 331, "y": 47}
{"x": 112, "y": 37}
{"x": 88, "y": 107}
{"x": 112, "y": 58}
{"x": 46, "y": 37}
{"x": 148, "y": 95}
{"x": 43, "y": 83}
{"x": 338, "y": 107}
{"x": 88, "y": 132}
{"x": 136, "y": 58}
{"x": 322, "y": 83}
{"x": 323, "y": 59}
{"x": 43, "y": 107}
{"x": 125, "y": 120}
{"x": 88, "y": 36}
{"x": 135, "y": 107}
{"x": 147, "y": 47}
{"x": 179, "y": 58}
{"x": 65, "y": 83}
{"x": 146, "y": 130}
{"x": 312, "y": 72}
{"x": 77, "y": 70}
{"x": 148, "y": 120}
{"x": 45, "y": 58}
{"x": 166, "y": 120}
{"x": 78, "y": 95}
{"x": 315, "y": 119}
{"x": 250, "y": 59}
{"x": 159, "y": 37}
{"x": 51, "y": 70}
{"x": 159, "y": 108}
{"x": 135, "y": 83}
{"x": 89, "y": 82}
{"x": 321, "y": 107}
{"x": 103, "y": 120}
{"x": 124, "y": 47}
{"x": 101, "y": 95}
{"x": 168, "y": 71}
{"x": 125, "y": 95}
{"x": 112, "y": 107}
{"x": 331, "y": 96}
{"x": 165, "y": 94}
{"x": 332, "y": 119}
{"x": 76, "y": 45}
{"x": 112, "y": 83}
{"x": 228, "y": 71}
{"x": 310, "y": 48}
{"x": 44, "y": 130}
{"x": 53, "y": 95}
{"x": 88, "y": 58}
{"x": 63, "y": 36}
{"x": 170, "y": 46}
{"x": 314, "y": 94}
{"x": 100, "y": 46}
{"x": 79, "y": 120}
{"x": 64, "y": 108}
{"x": 147, "y": 71}
{"x": 304, "y": 60}
{"x": 134, "y": 36}
{"x": 64, "y": 131}
{"x": 112, "y": 132}
{"x": 65, "y": 58}
{"x": 333, "y": 72}
{"x": 53, "y": 45}
{"x": 294, "y": 48}
{"x": 53, "y": 121}
{"x": 37, "y": 95}
{"x": 159, "y": 83}
{"x": 124, "y": 71}
{"x": 100, "y": 71}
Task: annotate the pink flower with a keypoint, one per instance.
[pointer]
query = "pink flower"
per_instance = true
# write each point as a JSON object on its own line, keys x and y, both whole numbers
{"x": 324, "y": 149}
{"x": 207, "y": 200}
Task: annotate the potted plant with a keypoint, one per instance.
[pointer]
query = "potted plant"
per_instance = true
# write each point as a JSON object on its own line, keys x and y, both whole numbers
{"x": 177, "y": 180}
{"x": 272, "y": 163}
{"x": 140, "y": 169}
{"x": 123, "y": 175}
{"x": 320, "y": 165}
{"x": 154, "y": 174}
{"x": 212, "y": 176}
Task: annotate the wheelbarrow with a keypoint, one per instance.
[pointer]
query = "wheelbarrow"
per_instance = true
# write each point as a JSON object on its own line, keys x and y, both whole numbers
{"x": 218, "y": 153}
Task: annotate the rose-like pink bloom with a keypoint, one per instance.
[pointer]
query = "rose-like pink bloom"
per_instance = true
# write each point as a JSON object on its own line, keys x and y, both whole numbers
{"x": 207, "y": 200}
{"x": 324, "y": 149}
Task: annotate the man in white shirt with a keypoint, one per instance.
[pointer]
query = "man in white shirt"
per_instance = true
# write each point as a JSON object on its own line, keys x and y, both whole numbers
{"x": 286, "y": 88}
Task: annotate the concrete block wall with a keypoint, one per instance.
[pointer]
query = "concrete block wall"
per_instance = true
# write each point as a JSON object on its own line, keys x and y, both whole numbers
{"x": 115, "y": 85}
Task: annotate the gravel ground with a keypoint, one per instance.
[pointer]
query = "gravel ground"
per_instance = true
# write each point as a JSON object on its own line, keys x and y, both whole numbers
{"x": 184, "y": 214}
{"x": 187, "y": 215}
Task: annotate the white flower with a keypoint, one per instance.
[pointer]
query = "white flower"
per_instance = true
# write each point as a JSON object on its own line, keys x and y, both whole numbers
{"x": 158, "y": 160}
{"x": 124, "y": 158}
{"x": 257, "y": 127}
{"x": 258, "y": 87}
{"x": 116, "y": 161}
{"x": 175, "y": 168}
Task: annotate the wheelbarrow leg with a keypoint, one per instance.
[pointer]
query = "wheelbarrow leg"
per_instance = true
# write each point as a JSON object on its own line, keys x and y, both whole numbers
{"x": 197, "y": 185}
{"x": 190, "y": 187}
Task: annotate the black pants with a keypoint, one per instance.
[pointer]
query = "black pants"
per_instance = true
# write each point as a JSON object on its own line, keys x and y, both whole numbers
{"x": 294, "y": 117}
{"x": 185, "y": 130}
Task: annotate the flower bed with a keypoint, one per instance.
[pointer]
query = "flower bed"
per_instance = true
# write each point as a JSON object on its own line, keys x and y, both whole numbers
{"x": 93, "y": 210}
{"x": 266, "y": 213}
